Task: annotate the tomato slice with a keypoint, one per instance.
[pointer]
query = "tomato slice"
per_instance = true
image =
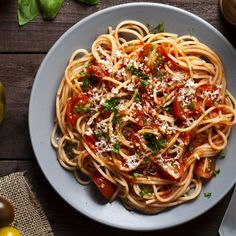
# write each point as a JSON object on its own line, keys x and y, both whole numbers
{"x": 184, "y": 112}
{"x": 205, "y": 167}
{"x": 89, "y": 139}
{"x": 71, "y": 114}
{"x": 106, "y": 188}
{"x": 207, "y": 90}
{"x": 97, "y": 70}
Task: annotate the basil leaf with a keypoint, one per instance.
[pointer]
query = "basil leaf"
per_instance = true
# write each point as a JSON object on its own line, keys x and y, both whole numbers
{"x": 50, "y": 8}
{"x": 89, "y": 2}
{"x": 27, "y": 10}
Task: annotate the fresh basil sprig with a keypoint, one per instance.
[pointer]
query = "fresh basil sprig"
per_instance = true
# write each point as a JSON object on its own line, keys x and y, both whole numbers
{"x": 89, "y": 2}
{"x": 50, "y": 8}
{"x": 27, "y": 10}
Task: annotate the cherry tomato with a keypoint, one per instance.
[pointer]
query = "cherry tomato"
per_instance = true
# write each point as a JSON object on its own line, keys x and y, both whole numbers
{"x": 205, "y": 167}
{"x": 9, "y": 231}
{"x": 7, "y": 213}
{"x": 184, "y": 112}
{"x": 90, "y": 141}
{"x": 106, "y": 188}
{"x": 97, "y": 71}
{"x": 207, "y": 89}
{"x": 71, "y": 114}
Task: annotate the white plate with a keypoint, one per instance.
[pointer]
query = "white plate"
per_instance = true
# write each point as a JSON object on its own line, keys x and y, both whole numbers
{"x": 42, "y": 112}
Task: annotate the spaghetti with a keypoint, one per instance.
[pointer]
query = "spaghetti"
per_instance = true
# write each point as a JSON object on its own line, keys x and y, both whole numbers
{"x": 143, "y": 115}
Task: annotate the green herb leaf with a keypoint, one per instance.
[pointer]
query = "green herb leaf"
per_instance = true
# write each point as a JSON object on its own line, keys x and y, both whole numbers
{"x": 110, "y": 105}
{"x": 27, "y": 10}
{"x": 50, "y": 8}
{"x": 222, "y": 155}
{"x": 136, "y": 97}
{"x": 136, "y": 175}
{"x": 207, "y": 194}
{"x": 89, "y": 2}
{"x": 153, "y": 143}
{"x": 89, "y": 81}
{"x": 216, "y": 172}
{"x": 158, "y": 29}
{"x": 145, "y": 189}
{"x": 116, "y": 148}
{"x": 191, "y": 106}
{"x": 80, "y": 108}
{"x": 144, "y": 83}
{"x": 99, "y": 134}
{"x": 115, "y": 120}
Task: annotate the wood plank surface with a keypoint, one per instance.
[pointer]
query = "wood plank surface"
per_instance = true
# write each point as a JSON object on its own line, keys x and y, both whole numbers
{"x": 66, "y": 221}
{"x": 42, "y": 34}
{"x": 17, "y": 73}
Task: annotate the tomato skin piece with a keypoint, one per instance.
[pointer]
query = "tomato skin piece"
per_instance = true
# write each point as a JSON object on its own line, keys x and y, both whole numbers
{"x": 106, "y": 188}
{"x": 71, "y": 115}
{"x": 97, "y": 71}
{"x": 90, "y": 141}
{"x": 205, "y": 167}
{"x": 178, "y": 110}
{"x": 207, "y": 88}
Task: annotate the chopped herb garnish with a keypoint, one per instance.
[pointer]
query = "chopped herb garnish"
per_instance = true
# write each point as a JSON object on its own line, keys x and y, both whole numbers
{"x": 222, "y": 155}
{"x": 136, "y": 175}
{"x": 80, "y": 108}
{"x": 160, "y": 75}
{"x": 153, "y": 143}
{"x": 191, "y": 106}
{"x": 110, "y": 105}
{"x": 138, "y": 72}
{"x": 216, "y": 172}
{"x": 116, "y": 148}
{"x": 89, "y": 81}
{"x": 144, "y": 83}
{"x": 158, "y": 29}
{"x": 99, "y": 134}
{"x": 136, "y": 97}
{"x": 207, "y": 194}
{"x": 115, "y": 120}
{"x": 168, "y": 109}
{"x": 145, "y": 189}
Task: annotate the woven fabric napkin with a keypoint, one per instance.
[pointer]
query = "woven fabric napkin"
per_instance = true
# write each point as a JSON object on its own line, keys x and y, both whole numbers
{"x": 29, "y": 216}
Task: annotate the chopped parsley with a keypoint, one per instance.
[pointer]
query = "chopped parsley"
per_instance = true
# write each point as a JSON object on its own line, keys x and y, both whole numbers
{"x": 80, "y": 108}
{"x": 89, "y": 81}
{"x": 115, "y": 120}
{"x": 191, "y": 106}
{"x": 207, "y": 194}
{"x": 99, "y": 134}
{"x": 216, "y": 172}
{"x": 116, "y": 148}
{"x": 144, "y": 83}
{"x": 136, "y": 97}
{"x": 138, "y": 72}
{"x": 135, "y": 175}
{"x": 222, "y": 155}
{"x": 110, "y": 105}
{"x": 158, "y": 29}
{"x": 145, "y": 189}
{"x": 153, "y": 143}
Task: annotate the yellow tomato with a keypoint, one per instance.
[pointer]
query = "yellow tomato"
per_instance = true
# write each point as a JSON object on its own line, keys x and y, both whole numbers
{"x": 9, "y": 231}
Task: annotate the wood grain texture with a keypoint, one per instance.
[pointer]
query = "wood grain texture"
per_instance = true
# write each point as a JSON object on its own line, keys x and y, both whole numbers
{"x": 17, "y": 72}
{"x": 42, "y": 34}
{"x": 66, "y": 221}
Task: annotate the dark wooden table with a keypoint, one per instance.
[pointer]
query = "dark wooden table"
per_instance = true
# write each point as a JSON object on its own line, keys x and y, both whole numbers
{"x": 22, "y": 49}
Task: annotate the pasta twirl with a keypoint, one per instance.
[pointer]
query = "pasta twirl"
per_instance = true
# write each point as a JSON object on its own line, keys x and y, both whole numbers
{"x": 143, "y": 115}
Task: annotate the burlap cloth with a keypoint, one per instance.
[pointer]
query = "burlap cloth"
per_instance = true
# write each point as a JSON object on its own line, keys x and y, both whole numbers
{"x": 29, "y": 216}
